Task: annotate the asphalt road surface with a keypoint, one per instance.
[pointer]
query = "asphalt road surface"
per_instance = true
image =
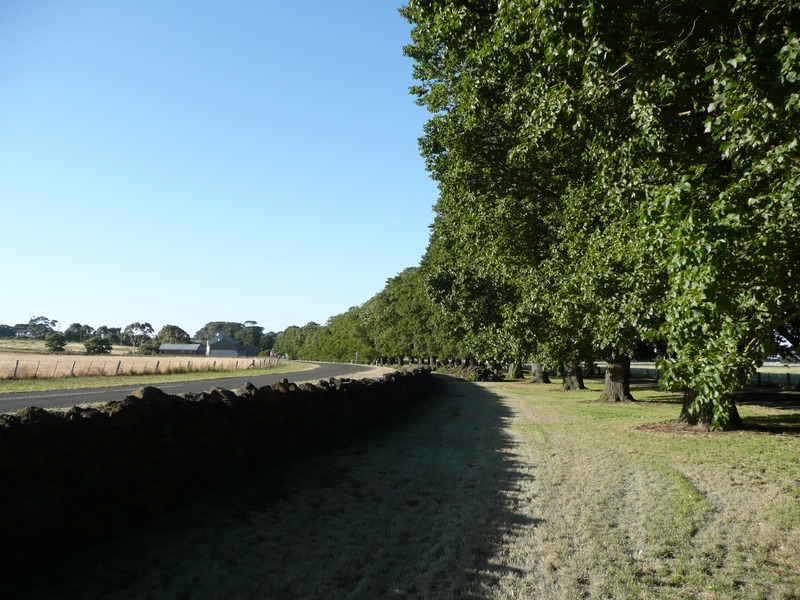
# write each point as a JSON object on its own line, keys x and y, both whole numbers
{"x": 66, "y": 398}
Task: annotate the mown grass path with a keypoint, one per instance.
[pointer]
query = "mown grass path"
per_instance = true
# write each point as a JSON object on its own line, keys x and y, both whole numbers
{"x": 485, "y": 491}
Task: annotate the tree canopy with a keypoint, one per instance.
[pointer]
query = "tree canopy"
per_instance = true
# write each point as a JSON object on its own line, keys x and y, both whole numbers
{"x": 616, "y": 171}
{"x": 172, "y": 334}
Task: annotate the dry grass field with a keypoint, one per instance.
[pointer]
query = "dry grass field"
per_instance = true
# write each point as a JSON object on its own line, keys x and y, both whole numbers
{"x": 21, "y": 346}
{"x": 46, "y": 366}
{"x": 487, "y": 491}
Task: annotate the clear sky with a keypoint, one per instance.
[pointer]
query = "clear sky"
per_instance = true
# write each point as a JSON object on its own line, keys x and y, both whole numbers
{"x": 182, "y": 162}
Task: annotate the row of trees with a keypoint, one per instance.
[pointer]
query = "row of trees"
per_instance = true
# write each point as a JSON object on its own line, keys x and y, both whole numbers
{"x": 612, "y": 172}
{"x": 140, "y": 336}
{"x": 612, "y": 176}
{"x": 398, "y": 322}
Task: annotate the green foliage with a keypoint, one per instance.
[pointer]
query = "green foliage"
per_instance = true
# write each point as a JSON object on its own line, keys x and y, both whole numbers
{"x": 172, "y": 334}
{"x": 212, "y": 328}
{"x": 292, "y": 341}
{"x": 250, "y": 334}
{"x": 55, "y": 342}
{"x": 97, "y": 345}
{"x": 40, "y": 327}
{"x": 138, "y": 333}
{"x": 77, "y": 332}
{"x": 609, "y": 172}
{"x": 268, "y": 341}
{"x": 113, "y": 334}
{"x": 7, "y": 331}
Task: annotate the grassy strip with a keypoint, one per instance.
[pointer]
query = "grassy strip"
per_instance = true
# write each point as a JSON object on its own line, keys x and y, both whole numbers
{"x": 629, "y": 507}
{"x": 71, "y": 383}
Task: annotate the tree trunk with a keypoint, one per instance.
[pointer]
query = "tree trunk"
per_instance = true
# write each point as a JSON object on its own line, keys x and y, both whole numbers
{"x": 705, "y": 416}
{"x": 618, "y": 380}
{"x": 538, "y": 374}
{"x": 515, "y": 370}
{"x": 572, "y": 377}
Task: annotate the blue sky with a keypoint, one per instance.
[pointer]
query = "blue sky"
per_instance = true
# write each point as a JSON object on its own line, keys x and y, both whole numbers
{"x": 183, "y": 162}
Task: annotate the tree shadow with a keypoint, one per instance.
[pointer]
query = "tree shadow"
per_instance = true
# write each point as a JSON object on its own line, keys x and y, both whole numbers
{"x": 786, "y": 424}
{"x": 413, "y": 509}
{"x": 769, "y": 398}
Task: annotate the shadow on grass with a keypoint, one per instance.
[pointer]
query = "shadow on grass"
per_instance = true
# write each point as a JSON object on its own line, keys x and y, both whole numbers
{"x": 777, "y": 424}
{"x": 769, "y": 398}
{"x": 413, "y": 509}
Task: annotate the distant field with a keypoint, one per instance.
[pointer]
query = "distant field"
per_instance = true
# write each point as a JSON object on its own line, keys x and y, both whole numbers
{"x": 15, "y": 346}
{"x": 150, "y": 378}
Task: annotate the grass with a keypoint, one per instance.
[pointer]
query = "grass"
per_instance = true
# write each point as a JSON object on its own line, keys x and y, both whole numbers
{"x": 71, "y": 383}
{"x": 21, "y": 346}
{"x": 488, "y": 491}
{"x": 651, "y": 512}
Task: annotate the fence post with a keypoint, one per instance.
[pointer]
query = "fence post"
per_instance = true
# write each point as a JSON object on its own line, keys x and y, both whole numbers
{"x": 116, "y": 371}
{"x": 157, "y": 363}
{"x": 72, "y": 370}
{"x": 16, "y": 364}
{"x": 89, "y": 370}
{"x": 54, "y": 370}
{"x": 144, "y": 368}
{"x": 36, "y": 372}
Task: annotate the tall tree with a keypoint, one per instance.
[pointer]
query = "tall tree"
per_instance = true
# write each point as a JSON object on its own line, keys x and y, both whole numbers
{"x": 139, "y": 333}
{"x": 212, "y": 328}
{"x": 172, "y": 334}
{"x": 39, "y": 327}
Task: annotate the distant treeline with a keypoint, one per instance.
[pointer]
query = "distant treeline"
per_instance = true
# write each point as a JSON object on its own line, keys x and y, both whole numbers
{"x": 141, "y": 336}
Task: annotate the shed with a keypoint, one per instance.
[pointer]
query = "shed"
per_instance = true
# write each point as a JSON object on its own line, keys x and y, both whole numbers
{"x": 182, "y": 349}
{"x": 222, "y": 345}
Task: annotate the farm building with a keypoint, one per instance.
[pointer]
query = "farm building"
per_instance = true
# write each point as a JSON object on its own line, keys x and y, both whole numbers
{"x": 191, "y": 349}
{"x": 222, "y": 345}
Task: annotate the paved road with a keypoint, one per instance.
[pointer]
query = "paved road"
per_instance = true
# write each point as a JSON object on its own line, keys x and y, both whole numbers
{"x": 67, "y": 398}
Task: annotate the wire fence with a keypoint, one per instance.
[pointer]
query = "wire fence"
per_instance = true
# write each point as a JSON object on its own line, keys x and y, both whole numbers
{"x": 769, "y": 377}
{"x": 110, "y": 366}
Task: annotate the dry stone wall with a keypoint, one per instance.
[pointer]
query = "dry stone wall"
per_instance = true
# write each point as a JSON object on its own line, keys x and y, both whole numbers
{"x": 71, "y": 478}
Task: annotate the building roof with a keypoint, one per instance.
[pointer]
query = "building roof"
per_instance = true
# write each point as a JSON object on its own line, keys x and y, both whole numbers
{"x": 192, "y": 347}
{"x": 221, "y": 337}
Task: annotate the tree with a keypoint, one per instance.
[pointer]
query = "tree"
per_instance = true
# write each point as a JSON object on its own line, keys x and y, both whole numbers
{"x": 97, "y": 345}
{"x": 250, "y": 334}
{"x": 292, "y": 342}
{"x": 39, "y": 327}
{"x": 138, "y": 333}
{"x": 7, "y": 331}
{"x": 55, "y": 342}
{"x": 172, "y": 334}
{"x": 212, "y": 328}
{"x": 268, "y": 341}
{"x": 112, "y": 334}
{"x": 78, "y": 333}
